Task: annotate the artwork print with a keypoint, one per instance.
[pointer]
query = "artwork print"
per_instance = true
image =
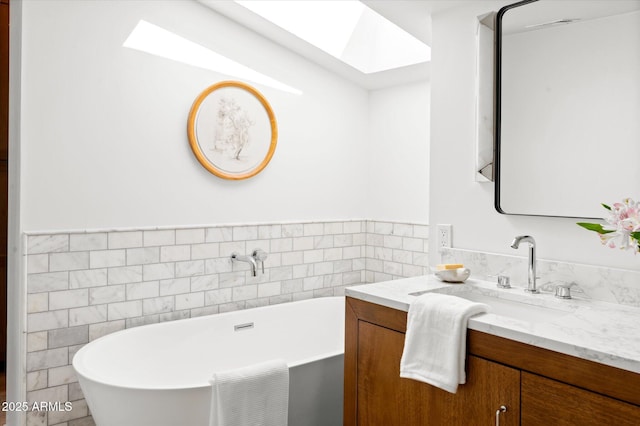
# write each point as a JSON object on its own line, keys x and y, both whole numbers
{"x": 232, "y": 130}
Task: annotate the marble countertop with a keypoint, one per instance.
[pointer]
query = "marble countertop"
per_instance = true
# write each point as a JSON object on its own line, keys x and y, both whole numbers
{"x": 602, "y": 332}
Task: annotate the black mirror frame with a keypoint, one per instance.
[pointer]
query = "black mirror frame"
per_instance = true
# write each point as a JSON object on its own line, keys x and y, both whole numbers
{"x": 497, "y": 105}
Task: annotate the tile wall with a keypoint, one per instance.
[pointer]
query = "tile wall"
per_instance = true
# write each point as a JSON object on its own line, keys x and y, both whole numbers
{"x": 88, "y": 284}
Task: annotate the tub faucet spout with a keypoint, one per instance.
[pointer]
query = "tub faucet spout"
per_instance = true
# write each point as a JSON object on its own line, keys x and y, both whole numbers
{"x": 531, "y": 280}
{"x": 249, "y": 259}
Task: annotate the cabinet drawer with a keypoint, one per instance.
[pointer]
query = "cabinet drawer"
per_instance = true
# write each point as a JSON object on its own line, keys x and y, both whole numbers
{"x": 384, "y": 399}
{"x": 545, "y": 401}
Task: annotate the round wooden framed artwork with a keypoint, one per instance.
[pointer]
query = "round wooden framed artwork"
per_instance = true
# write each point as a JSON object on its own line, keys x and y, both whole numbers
{"x": 232, "y": 130}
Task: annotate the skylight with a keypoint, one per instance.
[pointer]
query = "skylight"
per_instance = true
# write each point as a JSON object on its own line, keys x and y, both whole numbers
{"x": 155, "y": 40}
{"x": 347, "y": 30}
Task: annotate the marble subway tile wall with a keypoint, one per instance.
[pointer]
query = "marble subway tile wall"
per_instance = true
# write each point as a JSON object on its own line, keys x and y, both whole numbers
{"x": 82, "y": 286}
{"x": 396, "y": 250}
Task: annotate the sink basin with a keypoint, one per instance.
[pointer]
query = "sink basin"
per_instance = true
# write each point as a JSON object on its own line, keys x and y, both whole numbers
{"x": 511, "y": 308}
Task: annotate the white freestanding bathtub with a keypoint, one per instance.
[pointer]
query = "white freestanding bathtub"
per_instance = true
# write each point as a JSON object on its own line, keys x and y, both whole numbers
{"x": 158, "y": 375}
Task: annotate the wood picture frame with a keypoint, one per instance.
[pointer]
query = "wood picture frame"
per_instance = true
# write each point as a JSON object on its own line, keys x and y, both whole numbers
{"x": 232, "y": 130}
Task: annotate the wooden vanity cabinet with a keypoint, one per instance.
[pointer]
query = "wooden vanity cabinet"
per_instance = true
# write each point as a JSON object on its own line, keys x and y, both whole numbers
{"x": 544, "y": 399}
{"x": 392, "y": 400}
{"x": 376, "y": 395}
{"x": 537, "y": 386}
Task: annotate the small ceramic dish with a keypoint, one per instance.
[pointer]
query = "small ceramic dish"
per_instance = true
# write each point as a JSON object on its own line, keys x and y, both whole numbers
{"x": 458, "y": 275}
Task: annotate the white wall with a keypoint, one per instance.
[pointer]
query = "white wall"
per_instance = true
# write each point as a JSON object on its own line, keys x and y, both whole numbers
{"x": 101, "y": 133}
{"x": 454, "y": 196}
{"x": 104, "y": 127}
{"x": 398, "y": 172}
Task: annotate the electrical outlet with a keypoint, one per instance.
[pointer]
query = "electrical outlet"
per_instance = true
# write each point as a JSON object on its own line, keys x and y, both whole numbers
{"x": 444, "y": 236}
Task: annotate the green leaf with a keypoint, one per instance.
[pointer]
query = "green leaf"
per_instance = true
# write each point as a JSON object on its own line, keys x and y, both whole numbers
{"x": 636, "y": 235}
{"x": 597, "y": 227}
{"x": 606, "y": 206}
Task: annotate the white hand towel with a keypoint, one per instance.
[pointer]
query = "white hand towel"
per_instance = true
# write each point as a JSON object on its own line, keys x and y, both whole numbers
{"x": 257, "y": 395}
{"x": 435, "y": 343}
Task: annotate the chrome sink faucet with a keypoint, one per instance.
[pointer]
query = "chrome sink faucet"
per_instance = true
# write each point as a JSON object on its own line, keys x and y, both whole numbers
{"x": 531, "y": 280}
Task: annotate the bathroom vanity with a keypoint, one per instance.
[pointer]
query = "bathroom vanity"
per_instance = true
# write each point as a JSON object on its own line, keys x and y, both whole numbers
{"x": 509, "y": 382}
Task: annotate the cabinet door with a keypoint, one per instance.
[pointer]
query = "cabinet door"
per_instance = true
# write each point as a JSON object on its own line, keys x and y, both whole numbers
{"x": 546, "y": 401}
{"x": 385, "y": 399}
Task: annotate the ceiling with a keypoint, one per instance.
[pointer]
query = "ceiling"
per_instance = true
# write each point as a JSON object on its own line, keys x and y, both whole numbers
{"x": 414, "y": 16}
{"x": 540, "y": 15}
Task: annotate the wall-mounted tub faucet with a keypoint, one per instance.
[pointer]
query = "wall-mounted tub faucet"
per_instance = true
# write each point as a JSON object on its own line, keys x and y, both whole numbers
{"x": 249, "y": 259}
{"x": 531, "y": 280}
{"x": 258, "y": 255}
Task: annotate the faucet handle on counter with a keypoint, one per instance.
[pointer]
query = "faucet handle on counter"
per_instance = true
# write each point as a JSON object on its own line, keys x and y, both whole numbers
{"x": 504, "y": 281}
{"x": 563, "y": 291}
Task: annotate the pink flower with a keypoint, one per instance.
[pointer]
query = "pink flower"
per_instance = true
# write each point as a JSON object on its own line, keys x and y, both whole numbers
{"x": 623, "y": 226}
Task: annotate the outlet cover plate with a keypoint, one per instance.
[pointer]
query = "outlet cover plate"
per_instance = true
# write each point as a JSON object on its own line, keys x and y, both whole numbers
{"x": 444, "y": 236}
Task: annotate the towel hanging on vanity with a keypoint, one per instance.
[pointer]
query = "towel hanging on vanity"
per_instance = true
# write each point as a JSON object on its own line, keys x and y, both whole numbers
{"x": 435, "y": 343}
{"x": 257, "y": 395}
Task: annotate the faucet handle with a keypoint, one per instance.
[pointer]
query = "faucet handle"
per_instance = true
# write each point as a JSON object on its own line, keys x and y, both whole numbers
{"x": 563, "y": 291}
{"x": 260, "y": 256}
{"x": 504, "y": 281}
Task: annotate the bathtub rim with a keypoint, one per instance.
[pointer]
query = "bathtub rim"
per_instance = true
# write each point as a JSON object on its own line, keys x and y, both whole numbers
{"x": 79, "y": 355}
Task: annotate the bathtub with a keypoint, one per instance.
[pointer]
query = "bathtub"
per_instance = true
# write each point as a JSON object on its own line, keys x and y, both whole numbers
{"x": 158, "y": 375}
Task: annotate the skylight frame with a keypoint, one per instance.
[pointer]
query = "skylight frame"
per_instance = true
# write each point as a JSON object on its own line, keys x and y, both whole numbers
{"x": 358, "y": 36}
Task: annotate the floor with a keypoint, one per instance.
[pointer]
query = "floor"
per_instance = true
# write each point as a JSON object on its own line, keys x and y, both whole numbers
{"x": 3, "y": 394}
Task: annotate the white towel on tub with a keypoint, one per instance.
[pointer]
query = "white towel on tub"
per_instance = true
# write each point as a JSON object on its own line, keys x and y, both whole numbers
{"x": 256, "y": 395}
{"x": 435, "y": 343}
